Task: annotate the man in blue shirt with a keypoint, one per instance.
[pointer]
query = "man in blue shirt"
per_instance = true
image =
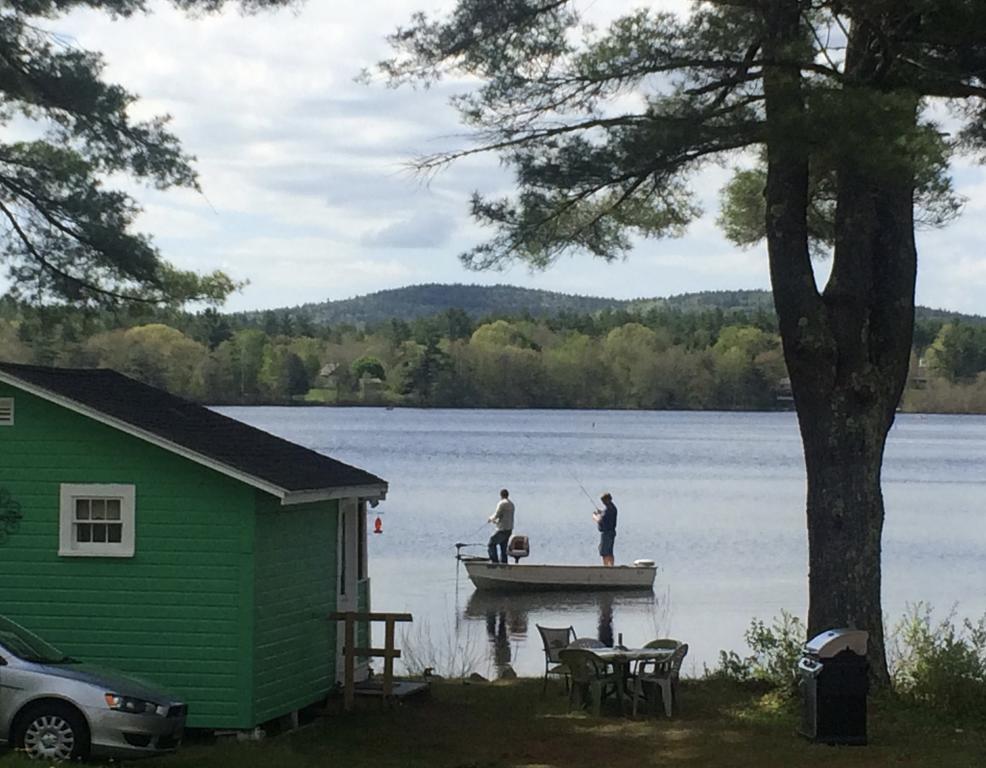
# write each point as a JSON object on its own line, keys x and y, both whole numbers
{"x": 606, "y": 520}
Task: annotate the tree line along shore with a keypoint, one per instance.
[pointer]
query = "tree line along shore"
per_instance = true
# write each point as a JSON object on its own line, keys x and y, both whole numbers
{"x": 656, "y": 359}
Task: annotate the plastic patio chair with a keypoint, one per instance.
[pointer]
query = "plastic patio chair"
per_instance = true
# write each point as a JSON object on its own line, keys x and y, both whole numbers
{"x": 590, "y": 675}
{"x": 555, "y": 639}
{"x": 662, "y": 675}
{"x": 661, "y": 642}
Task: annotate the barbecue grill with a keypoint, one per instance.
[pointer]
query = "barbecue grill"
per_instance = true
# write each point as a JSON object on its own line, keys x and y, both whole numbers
{"x": 833, "y": 677}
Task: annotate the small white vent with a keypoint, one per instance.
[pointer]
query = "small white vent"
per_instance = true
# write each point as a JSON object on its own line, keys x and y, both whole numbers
{"x": 6, "y": 411}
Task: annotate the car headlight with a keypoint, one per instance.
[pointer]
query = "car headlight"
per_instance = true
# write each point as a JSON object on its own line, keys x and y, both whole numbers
{"x": 130, "y": 704}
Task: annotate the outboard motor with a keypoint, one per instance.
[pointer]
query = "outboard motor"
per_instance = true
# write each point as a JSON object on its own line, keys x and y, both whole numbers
{"x": 518, "y": 547}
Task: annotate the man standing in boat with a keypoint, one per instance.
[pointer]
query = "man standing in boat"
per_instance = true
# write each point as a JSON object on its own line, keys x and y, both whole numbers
{"x": 503, "y": 519}
{"x": 606, "y": 520}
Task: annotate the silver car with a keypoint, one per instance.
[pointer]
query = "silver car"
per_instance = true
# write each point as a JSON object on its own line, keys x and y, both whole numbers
{"x": 57, "y": 708}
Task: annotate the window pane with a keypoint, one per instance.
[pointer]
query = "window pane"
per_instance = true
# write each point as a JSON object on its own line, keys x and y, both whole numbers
{"x": 99, "y": 509}
{"x": 99, "y": 533}
{"x": 112, "y": 509}
{"x": 82, "y": 509}
{"x": 83, "y": 533}
{"x": 114, "y": 534}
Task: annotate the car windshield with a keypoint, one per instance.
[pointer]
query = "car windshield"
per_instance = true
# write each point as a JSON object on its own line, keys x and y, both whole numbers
{"x": 28, "y": 646}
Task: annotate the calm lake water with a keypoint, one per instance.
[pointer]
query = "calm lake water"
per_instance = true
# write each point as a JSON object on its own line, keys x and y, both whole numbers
{"x": 716, "y": 499}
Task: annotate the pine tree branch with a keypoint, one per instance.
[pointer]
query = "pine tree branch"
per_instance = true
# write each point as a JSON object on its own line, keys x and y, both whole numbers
{"x": 47, "y": 266}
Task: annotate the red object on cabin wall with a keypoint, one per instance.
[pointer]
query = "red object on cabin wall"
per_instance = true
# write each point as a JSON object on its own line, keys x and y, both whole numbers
{"x": 378, "y": 526}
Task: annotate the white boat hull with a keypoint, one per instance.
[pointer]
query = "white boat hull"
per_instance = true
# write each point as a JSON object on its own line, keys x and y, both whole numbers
{"x": 535, "y": 578}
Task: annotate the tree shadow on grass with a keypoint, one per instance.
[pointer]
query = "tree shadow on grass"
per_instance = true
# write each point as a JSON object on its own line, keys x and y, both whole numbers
{"x": 510, "y": 725}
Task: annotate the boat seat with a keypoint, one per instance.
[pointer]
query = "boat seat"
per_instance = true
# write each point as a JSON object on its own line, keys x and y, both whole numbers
{"x": 518, "y": 547}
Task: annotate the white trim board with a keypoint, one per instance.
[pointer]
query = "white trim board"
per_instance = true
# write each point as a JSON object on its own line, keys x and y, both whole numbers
{"x": 287, "y": 497}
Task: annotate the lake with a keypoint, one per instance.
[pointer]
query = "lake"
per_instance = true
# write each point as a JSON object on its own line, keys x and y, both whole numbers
{"x": 716, "y": 499}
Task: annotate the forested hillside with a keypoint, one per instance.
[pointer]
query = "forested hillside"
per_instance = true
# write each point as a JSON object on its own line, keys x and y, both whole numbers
{"x": 703, "y": 351}
{"x": 419, "y": 301}
{"x": 414, "y": 302}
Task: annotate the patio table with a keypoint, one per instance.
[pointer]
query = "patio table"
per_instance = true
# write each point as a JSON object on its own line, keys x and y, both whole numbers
{"x": 622, "y": 658}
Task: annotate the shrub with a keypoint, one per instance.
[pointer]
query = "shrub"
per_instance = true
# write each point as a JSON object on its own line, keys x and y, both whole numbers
{"x": 775, "y": 653}
{"x": 940, "y": 665}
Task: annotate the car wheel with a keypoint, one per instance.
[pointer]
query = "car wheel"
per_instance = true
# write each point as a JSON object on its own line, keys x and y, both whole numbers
{"x": 53, "y": 732}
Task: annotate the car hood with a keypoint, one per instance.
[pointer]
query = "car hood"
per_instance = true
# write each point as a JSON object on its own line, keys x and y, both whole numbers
{"x": 109, "y": 680}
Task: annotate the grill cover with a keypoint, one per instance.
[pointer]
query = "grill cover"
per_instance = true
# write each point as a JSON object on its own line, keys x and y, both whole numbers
{"x": 835, "y": 641}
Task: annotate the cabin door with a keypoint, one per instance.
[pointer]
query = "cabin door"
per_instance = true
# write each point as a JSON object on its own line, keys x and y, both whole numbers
{"x": 347, "y": 574}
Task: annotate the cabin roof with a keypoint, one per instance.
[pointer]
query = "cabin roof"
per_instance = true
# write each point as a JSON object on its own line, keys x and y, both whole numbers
{"x": 287, "y": 470}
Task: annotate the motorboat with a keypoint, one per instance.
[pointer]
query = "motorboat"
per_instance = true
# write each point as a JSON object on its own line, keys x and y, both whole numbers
{"x": 524, "y": 577}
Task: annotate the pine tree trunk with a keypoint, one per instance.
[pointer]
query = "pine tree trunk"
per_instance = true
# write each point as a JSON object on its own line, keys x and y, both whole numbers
{"x": 847, "y": 348}
{"x": 843, "y": 447}
{"x": 847, "y": 380}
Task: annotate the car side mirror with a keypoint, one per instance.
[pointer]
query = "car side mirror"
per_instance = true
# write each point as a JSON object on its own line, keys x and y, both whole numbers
{"x": 3, "y": 662}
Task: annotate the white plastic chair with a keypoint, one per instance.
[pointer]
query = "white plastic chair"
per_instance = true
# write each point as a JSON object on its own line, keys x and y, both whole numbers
{"x": 662, "y": 675}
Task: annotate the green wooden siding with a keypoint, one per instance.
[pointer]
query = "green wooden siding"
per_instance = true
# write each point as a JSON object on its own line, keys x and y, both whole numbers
{"x": 295, "y": 643}
{"x": 179, "y": 612}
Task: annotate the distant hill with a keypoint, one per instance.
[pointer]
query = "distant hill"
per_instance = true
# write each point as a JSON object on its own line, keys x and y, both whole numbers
{"x": 478, "y": 301}
{"x": 415, "y": 301}
{"x": 426, "y": 300}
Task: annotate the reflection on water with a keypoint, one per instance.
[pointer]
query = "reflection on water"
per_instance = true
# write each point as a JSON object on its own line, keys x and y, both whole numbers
{"x": 510, "y": 618}
{"x": 605, "y": 626}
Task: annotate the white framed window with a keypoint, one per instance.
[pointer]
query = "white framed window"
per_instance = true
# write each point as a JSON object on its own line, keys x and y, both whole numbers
{"x": 6, "y": 411}
{"x": 96, "y": 520}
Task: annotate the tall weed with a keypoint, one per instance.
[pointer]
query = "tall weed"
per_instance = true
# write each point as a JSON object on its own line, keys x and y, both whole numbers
{"x": 775, "y": 652}
{"x": 452, "y": 652}
{"x": 940, "y": 664}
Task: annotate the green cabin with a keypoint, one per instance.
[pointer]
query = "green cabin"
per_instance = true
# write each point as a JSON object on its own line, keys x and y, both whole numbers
{"x": 153, "y": 535}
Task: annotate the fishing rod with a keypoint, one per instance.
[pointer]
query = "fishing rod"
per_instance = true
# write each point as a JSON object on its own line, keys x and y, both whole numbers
{"x": 459, "y": 545}
{"x": 591, "y": 500}
{"x": 571, "y": 471}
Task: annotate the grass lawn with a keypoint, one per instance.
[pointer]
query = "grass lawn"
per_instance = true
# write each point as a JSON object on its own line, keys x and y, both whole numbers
{"x": 476, "y": 725}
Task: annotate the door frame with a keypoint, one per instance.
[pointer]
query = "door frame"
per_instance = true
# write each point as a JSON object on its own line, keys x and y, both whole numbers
{"x": 348, "y": 548}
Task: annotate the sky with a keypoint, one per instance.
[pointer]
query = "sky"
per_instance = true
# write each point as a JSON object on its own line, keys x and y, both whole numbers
{"x": 306, "y": 191}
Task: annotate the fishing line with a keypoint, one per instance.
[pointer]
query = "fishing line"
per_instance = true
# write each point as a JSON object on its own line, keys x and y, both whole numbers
{"x": 530, "y": 440}
{"x": 571, "y": 471}
{"x": 591, "y": 500}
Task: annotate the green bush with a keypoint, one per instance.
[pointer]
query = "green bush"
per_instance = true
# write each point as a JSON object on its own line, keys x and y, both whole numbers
{"x": 775, "y": 653}
{"x": 940, "y": 665}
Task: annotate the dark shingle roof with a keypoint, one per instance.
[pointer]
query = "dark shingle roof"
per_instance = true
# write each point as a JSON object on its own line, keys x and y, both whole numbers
{"x": 218, "y": 438}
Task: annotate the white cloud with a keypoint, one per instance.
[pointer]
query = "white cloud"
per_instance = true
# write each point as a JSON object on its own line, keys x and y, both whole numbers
{"x": 425, "y": 230}
{"x": 180, "y": 223}
{"x": 297, "y": 270}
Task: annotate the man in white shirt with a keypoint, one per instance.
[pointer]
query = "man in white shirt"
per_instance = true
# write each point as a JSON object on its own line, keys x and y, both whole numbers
{"x": 503, "y": 519}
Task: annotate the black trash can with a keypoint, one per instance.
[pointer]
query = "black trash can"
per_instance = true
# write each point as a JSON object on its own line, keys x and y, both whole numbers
{"x": 833, "y": 675}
